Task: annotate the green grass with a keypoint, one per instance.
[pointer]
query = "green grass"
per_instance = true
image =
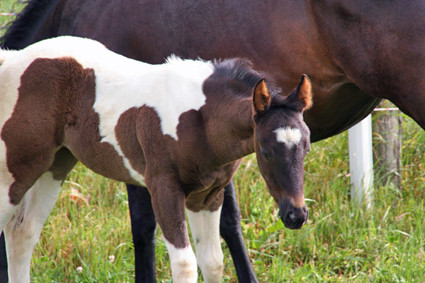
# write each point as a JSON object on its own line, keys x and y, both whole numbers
{"x": 340, "y": 242}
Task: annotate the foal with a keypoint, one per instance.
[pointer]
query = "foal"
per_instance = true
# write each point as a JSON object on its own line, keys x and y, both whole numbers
{"x": 179, "y": 128}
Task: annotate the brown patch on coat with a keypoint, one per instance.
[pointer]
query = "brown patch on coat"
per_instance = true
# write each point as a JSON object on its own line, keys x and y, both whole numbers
{"x": 126, "y": 134}
{"x": 55, "y": 109}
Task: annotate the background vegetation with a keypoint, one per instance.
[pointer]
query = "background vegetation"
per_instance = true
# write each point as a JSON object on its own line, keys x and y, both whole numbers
{"x": 87, "y": 237}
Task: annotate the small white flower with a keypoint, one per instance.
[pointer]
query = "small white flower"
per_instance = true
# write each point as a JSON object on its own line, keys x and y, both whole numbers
{"x": 111, "y": 258}
{"x": 79, "y": 269}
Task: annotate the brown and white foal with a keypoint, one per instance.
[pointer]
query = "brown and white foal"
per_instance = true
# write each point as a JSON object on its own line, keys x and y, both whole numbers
{"x": 179, "y": 128}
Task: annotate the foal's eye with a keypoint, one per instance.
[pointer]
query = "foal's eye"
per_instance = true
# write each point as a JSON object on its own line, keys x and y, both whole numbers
{"x": 267, "y": 155}
{"x": 307, "y": 147}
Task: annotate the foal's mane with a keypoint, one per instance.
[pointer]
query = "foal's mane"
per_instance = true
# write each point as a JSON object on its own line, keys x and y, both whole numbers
{"x": 19, "y": 33}
{"x": 241, "y": 69}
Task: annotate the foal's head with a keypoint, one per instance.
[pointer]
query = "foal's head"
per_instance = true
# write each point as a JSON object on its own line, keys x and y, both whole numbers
{"x": 282, "y": 140}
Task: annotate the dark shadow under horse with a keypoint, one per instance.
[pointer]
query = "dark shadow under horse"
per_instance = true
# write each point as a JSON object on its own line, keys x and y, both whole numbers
{"x": 355, "y": 52}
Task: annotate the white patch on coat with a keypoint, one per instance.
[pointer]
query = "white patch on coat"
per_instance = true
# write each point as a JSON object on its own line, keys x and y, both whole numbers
{"x": 171, "y": 89}
{"x": 206, "y": 236}
{"x": 288, "y": 136}
{"x": 183, "y": 263}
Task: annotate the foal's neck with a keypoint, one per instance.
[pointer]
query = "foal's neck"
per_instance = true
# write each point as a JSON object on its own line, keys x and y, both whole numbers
{"x": 231, "y": 128}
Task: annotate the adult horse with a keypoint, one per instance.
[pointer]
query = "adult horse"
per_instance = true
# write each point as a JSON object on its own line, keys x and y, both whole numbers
{"x": 69, "y": 98}
{"x": 356, "y": 52}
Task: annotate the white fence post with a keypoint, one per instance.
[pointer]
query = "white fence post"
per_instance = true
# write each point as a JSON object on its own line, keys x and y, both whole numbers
{"x": 361, "y": 161}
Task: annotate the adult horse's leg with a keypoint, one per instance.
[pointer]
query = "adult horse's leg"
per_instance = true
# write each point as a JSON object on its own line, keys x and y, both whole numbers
{"x": 231, "y": 231}
{"x": 143, "y": 226}
{"x": 204, "y": 225}
{"x": 3, "y": 260}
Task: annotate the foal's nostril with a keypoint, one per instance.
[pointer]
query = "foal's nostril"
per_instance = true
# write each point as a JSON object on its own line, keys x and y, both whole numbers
{"x": 291, "y": 215}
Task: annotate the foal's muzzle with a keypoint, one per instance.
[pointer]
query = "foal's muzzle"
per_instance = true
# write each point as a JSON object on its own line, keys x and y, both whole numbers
{"x": 293, "y": 217}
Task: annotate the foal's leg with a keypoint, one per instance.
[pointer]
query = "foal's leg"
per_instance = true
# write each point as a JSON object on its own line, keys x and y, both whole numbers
{"x": 168, "y": 202}
{"x": 23, "y": 231}
{"x": 205, "y": 233}
{"x": 231, "y": 231}
{"x": 143, "y": 226}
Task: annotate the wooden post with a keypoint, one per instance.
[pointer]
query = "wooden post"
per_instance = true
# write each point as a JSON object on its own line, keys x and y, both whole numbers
{"x": 387, "y": 134}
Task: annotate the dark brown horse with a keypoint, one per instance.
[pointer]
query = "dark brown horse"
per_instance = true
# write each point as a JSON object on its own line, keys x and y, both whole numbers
{"x": 356, "y": 52}
{"x": 178, "y": 128}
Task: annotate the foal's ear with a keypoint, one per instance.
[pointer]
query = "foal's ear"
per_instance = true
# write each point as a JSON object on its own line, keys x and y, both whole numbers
{"x": 302, "y": 97}
{"x": 261, "y": 97}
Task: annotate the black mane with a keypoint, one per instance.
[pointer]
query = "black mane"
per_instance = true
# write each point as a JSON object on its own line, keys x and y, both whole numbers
{"x": 20, "y": 33}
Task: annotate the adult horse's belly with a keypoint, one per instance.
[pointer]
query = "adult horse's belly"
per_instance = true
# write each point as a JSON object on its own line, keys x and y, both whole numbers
{"x": 338, "y": 110}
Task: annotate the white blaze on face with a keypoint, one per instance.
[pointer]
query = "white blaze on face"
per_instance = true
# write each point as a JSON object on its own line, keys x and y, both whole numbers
{"x": 288, "y": 136}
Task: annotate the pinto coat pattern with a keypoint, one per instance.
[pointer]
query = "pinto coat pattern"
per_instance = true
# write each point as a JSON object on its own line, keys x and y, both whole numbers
{"x": 180, "y": 128}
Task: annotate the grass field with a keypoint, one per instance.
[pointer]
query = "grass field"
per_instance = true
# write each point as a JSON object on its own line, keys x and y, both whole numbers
{"x": 87, "y": 237}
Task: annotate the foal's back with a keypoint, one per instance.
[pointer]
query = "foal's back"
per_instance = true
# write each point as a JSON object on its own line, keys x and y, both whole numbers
{"x": 75, "y": 94}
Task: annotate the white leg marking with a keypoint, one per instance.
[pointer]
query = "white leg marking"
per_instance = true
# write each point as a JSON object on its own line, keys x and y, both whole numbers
{"x": 183, "y": 264}
{"x": 288, "y": 136}
{"x": 205, "y": 227}
{"x": 23, "y": 231}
